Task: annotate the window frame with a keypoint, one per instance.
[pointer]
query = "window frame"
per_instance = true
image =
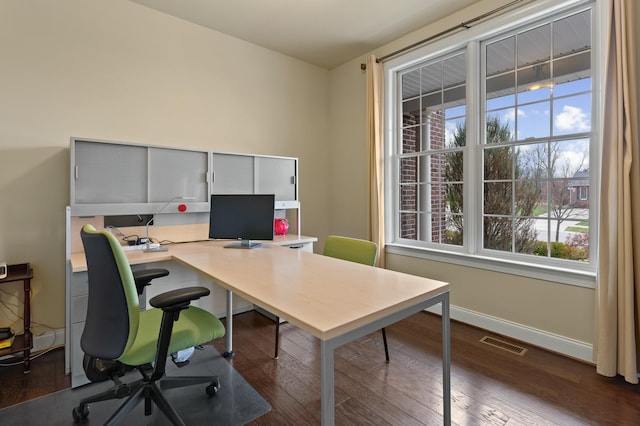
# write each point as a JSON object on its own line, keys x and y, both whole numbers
{"x": 583, "y": 193}
{"x": 471, "y": 252}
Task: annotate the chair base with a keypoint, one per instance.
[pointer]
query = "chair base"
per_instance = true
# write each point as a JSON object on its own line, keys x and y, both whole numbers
{"x": 149, "y": 392}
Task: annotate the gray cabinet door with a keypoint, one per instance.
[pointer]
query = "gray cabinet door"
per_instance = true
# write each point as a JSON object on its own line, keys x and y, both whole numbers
{"x": 232, "y": 174}
{"x": 177, "y": 173}
{"x": 277, "y": 176}
{"x": 109, "y": 173}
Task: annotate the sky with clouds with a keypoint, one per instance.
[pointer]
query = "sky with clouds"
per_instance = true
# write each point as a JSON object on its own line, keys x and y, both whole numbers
{"x": 528, "y": 115}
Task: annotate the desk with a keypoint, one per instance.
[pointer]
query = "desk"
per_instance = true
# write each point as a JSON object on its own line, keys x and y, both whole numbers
{"x": 332, "y": 299}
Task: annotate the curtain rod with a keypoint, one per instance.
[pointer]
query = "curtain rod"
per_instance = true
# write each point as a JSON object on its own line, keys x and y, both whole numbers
{"x": 463, "y": 25}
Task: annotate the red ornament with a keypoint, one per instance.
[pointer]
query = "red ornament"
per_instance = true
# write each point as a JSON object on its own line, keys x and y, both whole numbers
{"x": 280, "y": 226}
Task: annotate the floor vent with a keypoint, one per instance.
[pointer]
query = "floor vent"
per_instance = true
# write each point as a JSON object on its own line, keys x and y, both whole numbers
{"x": 510, "y": 347}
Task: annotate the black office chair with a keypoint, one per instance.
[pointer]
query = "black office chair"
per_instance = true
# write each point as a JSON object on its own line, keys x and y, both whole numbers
{"x": 118, "y": 337}
{"x": 353, "y": 250}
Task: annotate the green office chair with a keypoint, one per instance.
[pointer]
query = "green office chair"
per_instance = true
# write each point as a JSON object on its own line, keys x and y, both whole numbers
{"x": 354, "y": 250}
{"x": 118, "y": 337}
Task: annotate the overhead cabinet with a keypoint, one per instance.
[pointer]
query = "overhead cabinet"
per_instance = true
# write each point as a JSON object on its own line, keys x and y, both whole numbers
{"x": 256, "y": 174}
{"x": 277, "y": 176}
{"x": 104, "y": 173}
{"x": 232, "y": 174}
{"x": 114, "y": 178}
{"x": 178, "y": 173}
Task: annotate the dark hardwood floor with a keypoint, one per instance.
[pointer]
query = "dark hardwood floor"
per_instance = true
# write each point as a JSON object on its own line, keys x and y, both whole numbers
{"x": 490, "y": 386}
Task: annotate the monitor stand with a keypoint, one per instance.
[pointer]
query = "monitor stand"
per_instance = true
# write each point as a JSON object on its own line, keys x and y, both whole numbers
{"x": 243, "y": 244}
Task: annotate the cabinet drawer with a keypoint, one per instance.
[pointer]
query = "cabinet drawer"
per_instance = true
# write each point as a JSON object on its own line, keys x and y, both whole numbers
{"x": 78, "y": 377}
{"x": 79, "y": 284}
{"x": 79, "y": 308}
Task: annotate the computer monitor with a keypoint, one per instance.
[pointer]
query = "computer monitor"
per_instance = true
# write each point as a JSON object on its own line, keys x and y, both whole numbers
{"x": 244, "y": 217}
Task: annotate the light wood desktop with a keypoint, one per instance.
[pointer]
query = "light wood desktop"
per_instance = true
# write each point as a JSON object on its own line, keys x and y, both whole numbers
{"x": 332, "y": 299}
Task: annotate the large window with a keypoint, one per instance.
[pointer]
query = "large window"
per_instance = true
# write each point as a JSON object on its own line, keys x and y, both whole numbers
{"x": 491, "y": 156}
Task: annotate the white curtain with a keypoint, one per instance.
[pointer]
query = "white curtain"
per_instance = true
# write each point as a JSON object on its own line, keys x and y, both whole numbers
{"x": 375, "y": 141}
{"x": 616, "y": 343}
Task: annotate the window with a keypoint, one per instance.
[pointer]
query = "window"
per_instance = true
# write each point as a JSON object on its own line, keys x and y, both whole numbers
{"x": 583, "y": 193}
{"x": 433, "y": 105}
{"x": 492, "y": 148}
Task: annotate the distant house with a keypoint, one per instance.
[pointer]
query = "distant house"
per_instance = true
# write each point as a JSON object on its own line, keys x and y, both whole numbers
{"x": 579, "y": 189}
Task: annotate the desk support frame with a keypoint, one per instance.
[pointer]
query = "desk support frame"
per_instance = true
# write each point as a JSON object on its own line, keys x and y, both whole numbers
{"x": 328, "y": 346}
{"x": 327, "y": 349}
{"x": 229, "y": 325}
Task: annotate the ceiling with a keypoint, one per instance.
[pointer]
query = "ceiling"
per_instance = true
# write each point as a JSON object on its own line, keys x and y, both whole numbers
{"x": 326, "y": 33}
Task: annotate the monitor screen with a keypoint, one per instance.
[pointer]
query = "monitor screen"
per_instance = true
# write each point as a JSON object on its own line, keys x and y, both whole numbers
{"x": 244, "y": 217}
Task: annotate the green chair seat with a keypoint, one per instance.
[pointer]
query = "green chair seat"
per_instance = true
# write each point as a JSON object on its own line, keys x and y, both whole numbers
{"x": 194, "y": 327}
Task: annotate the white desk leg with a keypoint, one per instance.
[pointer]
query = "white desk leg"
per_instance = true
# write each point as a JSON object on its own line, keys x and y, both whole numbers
{"x": 446, "y": 361}
{"x": 229, "y": 325}
{"x": 327, "y": 398}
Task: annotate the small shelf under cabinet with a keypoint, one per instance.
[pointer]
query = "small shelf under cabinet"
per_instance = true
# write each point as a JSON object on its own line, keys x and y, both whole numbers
{"x": 22, "y": 342}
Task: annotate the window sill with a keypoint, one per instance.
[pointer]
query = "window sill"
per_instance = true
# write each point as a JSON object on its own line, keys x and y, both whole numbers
{"x": 542, "y": 272}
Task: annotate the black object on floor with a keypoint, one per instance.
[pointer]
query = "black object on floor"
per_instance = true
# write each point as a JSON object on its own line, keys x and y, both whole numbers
{"x": 236, "y": 403}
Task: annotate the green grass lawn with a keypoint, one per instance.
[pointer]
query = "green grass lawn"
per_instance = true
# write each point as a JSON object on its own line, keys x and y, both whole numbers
{"x": 577, "y": 229}
{"x": 539, "y": 210}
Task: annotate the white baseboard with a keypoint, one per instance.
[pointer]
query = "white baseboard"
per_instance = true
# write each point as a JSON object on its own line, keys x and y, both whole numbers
{"x": 553, "y": 342}
{"x": 550, "y": 341}
{"x": 50, "y": 339}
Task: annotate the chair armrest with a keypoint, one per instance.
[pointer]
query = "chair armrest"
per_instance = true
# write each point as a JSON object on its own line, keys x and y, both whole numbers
{"x": 178, "y": 297}
{"x": 143, "y": 277}
{"x": 149, "y": 274}
{"x": 172, "y": 303}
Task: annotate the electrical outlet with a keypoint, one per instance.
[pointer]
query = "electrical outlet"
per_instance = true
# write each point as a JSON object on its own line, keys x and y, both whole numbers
{"x": 3, "y": 270}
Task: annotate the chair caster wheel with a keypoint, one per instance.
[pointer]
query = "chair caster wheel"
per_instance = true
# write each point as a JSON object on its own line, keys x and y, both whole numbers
{"x": 213, "y": 388}
{"x": 80, "y": 413}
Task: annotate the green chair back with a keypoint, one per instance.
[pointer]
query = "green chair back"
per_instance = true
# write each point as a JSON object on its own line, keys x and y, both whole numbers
{"x": 113, "y": 311}
{"x": 351, "y": 249}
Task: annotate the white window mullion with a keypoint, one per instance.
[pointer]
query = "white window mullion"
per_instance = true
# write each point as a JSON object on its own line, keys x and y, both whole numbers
{"x": 599, "y": 26}
{"x": 391, "y": 137}
{"x": 473, "y": 151}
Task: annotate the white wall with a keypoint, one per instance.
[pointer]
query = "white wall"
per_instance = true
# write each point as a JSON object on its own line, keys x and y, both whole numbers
{"x": 119, "y": 71}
